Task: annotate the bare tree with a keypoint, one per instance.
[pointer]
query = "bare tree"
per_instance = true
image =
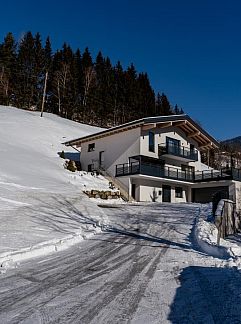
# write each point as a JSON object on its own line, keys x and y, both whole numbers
{"x": 88, "y": 78}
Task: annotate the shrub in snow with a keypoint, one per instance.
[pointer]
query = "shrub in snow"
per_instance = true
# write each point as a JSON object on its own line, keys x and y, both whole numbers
{"x": 154, "y": 195}
{"x": 71, "y": 166}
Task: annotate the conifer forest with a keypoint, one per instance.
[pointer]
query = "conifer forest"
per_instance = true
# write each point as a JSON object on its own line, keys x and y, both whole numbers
{"x": 78, "y": 87}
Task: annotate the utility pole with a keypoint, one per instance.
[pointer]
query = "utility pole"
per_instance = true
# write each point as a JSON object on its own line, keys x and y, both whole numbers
{"x": 44, "y": 93}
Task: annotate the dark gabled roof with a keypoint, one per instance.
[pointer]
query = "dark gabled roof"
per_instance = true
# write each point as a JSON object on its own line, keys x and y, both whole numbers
{"x": 184, "y": 122}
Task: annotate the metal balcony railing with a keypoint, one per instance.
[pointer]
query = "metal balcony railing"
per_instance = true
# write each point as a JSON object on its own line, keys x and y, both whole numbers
{"x": 162, "y": 171}
{"x": 153, "y": 170}
{"x": 179, "y": 151}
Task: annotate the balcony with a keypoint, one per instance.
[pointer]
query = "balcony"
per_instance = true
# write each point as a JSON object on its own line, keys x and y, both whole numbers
{"x": 217, "y": 175}
{"x": 161, "y": 171}
{"x": 178, "y": 152}
{"x": 153, "y": 170}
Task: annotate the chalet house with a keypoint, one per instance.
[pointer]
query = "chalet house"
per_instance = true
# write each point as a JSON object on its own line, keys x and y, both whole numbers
{"x": 158, "y": 158}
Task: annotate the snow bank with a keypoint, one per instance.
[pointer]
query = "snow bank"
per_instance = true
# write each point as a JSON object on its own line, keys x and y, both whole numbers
{"x": 11, "y": 259}
{"x": 206, "y": 236}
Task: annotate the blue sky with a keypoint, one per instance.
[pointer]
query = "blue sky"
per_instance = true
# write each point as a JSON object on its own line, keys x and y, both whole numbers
{"x": 190, "y": 49}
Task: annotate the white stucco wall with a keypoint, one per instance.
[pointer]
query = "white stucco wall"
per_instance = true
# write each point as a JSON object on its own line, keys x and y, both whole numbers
{"x": 146, "y": 192}
{"x": 117, "y": 149}
{"x": 145, "y": 188}
{"x": 160, "y": 138}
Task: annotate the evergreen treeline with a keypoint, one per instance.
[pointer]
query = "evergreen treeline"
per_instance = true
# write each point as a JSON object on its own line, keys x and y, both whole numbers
{"x": 78, "y": 87}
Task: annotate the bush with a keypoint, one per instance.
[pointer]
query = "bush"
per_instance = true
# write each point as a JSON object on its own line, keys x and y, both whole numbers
{"x": 71, "y": 166}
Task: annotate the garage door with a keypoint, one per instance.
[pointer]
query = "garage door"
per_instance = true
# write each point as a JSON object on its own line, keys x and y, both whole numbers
{"x": 204, "y": 195}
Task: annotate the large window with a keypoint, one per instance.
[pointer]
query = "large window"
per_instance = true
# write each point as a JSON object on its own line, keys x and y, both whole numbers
{"x": 151, "y": 142}
{"x": 173, "y": 145}
{"x": 91, "y": 147}
{"x": 178, "y": 192}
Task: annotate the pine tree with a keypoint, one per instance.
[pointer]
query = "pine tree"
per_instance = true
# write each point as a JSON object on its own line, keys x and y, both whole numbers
{"x": 7, "y": 69}
{"x": 146, "y": 97}
{"x": 48, "y": 67}
{"x": 119, "y": 93}
{"x": 131, "y": 94}
{"x": 97, "y": 93}
{"x": 38, "y": 71}
{"x": 163, "y": 107}
{"x": 47, "y": 54}
{"x": 25, "y": 72}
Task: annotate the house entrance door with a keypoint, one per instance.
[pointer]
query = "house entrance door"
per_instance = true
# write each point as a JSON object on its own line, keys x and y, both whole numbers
{"x": 166, "y": 193}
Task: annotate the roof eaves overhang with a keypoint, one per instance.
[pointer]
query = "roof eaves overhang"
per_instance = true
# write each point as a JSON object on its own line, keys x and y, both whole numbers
{"x": 114, "y": 130}
{"x": 184, "y": 122}
{"x": 190, "y": 128}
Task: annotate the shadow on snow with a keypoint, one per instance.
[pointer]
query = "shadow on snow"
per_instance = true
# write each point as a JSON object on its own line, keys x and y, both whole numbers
{"x": 207, "y": 295}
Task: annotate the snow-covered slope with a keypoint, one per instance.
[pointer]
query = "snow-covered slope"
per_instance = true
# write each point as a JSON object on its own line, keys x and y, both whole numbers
{"x": 29, "y": 147}
{"x": 39, "y": 199}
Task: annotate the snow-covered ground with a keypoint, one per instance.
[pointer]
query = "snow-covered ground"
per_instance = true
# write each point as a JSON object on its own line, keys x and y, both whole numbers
{"x": 40, "y": 201}
{"x": 42, "y": 207}
{"x": 143, "y": 268}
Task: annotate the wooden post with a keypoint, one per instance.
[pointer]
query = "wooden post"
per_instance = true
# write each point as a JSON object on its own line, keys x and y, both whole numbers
{"x": 44, "y": 93}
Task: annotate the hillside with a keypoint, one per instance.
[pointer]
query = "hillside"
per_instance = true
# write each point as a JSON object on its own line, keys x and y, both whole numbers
{"x": 233, "y": 141}
{"x": 29, "y": 147}
{"x": 40, "y": 200}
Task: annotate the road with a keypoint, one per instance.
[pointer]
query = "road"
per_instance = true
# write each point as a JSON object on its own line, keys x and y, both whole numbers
{"x": 143, "y": 268}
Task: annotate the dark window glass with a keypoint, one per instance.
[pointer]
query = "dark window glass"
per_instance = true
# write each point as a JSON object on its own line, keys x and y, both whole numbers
{"x": 151, "y": 142}
{"x": 178, "y": 192}
{"x": 173, "y": 145}
{"x": 91, "y": 147}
